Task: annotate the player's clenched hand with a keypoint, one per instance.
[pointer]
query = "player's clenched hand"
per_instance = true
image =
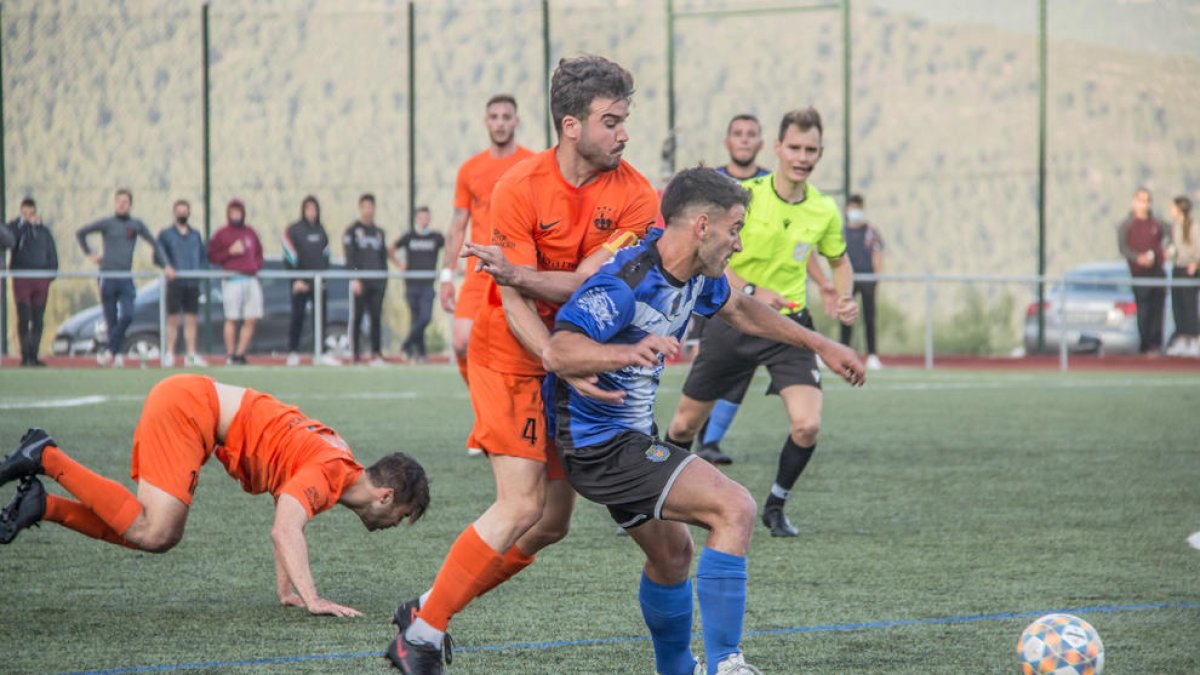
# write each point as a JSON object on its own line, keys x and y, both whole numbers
{"x": 321, "y": 606}
{"x": 847, "y": 310}
{"x": 645, "y": 353}
{"x": 492, "y": 261}
{"x": 588, "y": 386}
{"x": 843, "y": 361}
{"x": 447, "y": 293}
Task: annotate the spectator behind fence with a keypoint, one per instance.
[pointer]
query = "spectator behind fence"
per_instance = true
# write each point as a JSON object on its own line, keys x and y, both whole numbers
{"x": 120, "y": 233}
{"x": 185, "y": 251}
{"x": 1184, "y": 254}
{"x": 865, "y": 248}
{"x": 366, "y": 249}
{"x": 306, "y": 248}
{"x": 236, "y": 248}
{"x": 33, "y": 248}
{"x": 417, "y": 251}
{"x": 1140, "y": 238}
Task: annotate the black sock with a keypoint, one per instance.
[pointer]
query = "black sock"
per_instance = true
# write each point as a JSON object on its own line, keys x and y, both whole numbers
{"x": 792, "y": 460}
{"x": 678, "y": 443}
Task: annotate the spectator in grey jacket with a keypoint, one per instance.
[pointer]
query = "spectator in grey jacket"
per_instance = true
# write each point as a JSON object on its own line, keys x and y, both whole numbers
{"x": 306, "y": 247}
{"x": 185, "y": 251}
{"x": 33, "y": 248}
{"x": 366, "y": 249}
{"x": 120, "y": 233}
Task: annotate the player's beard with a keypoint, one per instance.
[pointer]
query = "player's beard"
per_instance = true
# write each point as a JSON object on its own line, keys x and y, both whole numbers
{"x": 501, "y": 137}
{"x": 594, "y": 155}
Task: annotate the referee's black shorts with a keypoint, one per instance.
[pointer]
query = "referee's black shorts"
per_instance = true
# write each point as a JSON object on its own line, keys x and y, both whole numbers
{"x": 728, "y": 359}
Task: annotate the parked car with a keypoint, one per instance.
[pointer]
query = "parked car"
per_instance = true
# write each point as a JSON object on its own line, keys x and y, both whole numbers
{"x": 1100, "y": 311}
{"x": 86, "y": 330}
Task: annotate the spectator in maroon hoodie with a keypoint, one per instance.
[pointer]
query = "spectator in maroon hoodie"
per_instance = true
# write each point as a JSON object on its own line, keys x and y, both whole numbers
{"x": 1141, "y": 238}
{"x": 237, "y": 249}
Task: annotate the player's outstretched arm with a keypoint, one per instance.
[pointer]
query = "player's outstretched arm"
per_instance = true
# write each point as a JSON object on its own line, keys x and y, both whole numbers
{"x": 291, "y": 559}
{"x": 572, "y": 354}
{"x": 455, "y": 234}
{"x": 548, "y": 285}
{"x": 756, "y": 318}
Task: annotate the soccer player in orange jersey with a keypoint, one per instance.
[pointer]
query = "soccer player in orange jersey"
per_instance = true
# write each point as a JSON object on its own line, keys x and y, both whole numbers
{"x": 267, "y": 445}
{"x": 555, "y": 218}
{"x": 472, "y": 202}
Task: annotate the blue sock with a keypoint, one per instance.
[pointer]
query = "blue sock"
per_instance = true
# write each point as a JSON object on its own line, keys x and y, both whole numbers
{"x": 721, "y": 588}
{"x": 719, "y": 420}
{"x": 668, "y": 614}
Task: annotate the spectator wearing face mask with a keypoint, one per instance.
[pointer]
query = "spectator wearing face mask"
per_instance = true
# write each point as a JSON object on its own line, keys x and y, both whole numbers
{"x": 236, "y": 248}
{"x": 865, "y": 248}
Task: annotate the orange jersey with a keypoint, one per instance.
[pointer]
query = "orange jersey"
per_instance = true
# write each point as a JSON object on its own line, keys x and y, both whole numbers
{"x": 473, "y": 188}
{"x": 541, "y": 221}
{"x": 273, "y": 447}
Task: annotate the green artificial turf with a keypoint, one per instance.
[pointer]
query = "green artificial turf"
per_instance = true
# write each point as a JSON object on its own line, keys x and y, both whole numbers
{"x": 949, "y": 495}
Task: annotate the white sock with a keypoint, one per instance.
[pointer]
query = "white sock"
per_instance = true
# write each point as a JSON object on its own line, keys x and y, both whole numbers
{"x": 779, "y": 492}
{"x": 424, "y": 598}
{"x": 422, "y": 633}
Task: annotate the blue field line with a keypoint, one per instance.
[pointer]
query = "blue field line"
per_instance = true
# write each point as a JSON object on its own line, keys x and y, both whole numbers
{"x": 558, "y": 644}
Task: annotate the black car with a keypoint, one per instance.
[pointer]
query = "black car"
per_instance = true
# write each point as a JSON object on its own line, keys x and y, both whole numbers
{"x": 84, "y": 331}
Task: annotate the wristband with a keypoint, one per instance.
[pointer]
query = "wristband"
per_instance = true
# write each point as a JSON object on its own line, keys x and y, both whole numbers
{"x": 446, "y": 275}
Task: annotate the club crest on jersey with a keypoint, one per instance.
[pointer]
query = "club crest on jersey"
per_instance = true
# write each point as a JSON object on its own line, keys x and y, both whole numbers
{"x": 603, "y": 218}
{"x": 600, "y": 306}
{"x": 657, "y": 453}
{"x": 801, "y": 251}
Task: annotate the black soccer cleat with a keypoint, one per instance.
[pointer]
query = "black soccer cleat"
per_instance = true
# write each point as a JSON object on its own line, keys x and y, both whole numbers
{"x": 711, "y": 452}
{"x": 777, "y": 522}
{"x": 405, "y": 614}
{"x": 26, "y": 460}
{"x": 419, "y": 659}
{"x": 27, "y": 508}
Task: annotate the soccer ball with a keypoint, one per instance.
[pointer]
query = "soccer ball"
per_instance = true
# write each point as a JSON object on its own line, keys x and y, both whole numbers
{"x": 1060, "y": 644}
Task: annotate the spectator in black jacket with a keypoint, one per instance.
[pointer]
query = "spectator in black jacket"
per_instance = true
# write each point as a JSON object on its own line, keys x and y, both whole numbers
{"x": 33, "y": 249}
{"x": 306, "y": 248}
{"x": 417, "y": 251}
{"x": 366, "y": 249}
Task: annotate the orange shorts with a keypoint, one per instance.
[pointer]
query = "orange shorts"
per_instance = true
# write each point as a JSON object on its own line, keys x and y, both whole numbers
{"x": 470, "y": 296}
{"x": 510, "y": 417}
{"x": 176, "y": 434}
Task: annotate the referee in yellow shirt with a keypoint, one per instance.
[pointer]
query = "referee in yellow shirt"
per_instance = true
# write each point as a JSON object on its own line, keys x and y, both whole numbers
{"x": 788, "y": 219}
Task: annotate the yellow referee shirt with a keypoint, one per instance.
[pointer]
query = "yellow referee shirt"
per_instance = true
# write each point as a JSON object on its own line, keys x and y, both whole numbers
{"x": 778, "y": 237}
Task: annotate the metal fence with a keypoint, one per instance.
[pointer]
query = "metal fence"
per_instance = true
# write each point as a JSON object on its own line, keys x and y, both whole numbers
{"x": 926, "y": 283}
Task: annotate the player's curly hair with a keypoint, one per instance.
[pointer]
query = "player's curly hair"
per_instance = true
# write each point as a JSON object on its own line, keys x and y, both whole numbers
{"x": 406, "y": 476}
{"x": 701, "y": 186}
{"x": 580, "y": 80}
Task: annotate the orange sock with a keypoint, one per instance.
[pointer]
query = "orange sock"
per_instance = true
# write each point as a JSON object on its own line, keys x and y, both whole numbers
{"x": 468, "y": 564}
{"x": 514, "y": 561}
{"x": 106, "y": 498}
{"x": 72, "y": 514}
{"x": 462, "y": 367}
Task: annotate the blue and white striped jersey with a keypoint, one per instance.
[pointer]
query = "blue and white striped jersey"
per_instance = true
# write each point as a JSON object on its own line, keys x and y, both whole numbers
{"x": 630, "y": 297}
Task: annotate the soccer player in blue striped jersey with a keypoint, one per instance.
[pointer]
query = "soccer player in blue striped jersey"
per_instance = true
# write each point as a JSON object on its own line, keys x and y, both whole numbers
{"x": 615, "y": 332}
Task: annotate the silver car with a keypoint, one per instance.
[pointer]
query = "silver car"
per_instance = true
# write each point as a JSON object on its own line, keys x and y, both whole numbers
{"x": 1100, "y": 312}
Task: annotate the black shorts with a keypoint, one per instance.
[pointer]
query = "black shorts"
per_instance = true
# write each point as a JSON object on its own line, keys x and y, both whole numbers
{"x": 728, "y": 359}
{"x": 182, "y": 297}
{"x": 631, "y": 474}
